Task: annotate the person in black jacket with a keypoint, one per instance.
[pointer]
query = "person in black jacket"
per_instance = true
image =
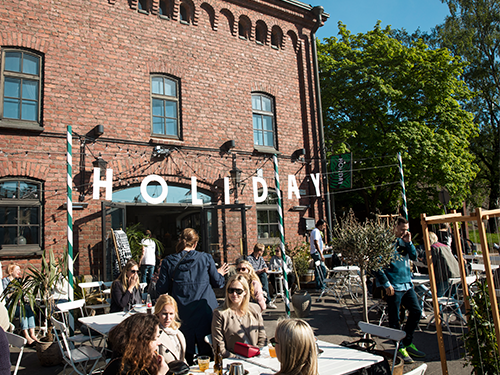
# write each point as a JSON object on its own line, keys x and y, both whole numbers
{"x": 126, "y": 291}
{"x": 189, "y": 277}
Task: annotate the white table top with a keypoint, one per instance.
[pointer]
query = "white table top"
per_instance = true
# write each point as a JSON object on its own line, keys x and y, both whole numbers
{"x": 274, "y": 272}
{"x": 480, "y": 267}
{"x": 104, "y": 322}
{"x": 420, "y": 279}
{"x": 335, "y": 360}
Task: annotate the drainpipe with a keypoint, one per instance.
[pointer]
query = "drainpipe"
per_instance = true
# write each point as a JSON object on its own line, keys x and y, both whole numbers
{"x": 317, "y": 11}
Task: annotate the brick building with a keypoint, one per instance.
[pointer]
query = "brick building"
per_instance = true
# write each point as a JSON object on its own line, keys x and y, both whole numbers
{"x": 178, "y": 89}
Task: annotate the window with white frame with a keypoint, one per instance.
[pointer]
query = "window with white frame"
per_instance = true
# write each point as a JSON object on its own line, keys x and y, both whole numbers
{"x": 263, "y": 120}
{"x": 20, "y": 214}
{"x": 21, "y": 81}
{"x": 268, "y": 218}
{"x": 165, "y": 106}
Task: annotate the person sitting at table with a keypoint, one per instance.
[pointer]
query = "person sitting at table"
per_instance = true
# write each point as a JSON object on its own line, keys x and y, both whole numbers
{"x": 134, "y": 344}
{"x": 28, "y": 317}
{"x": 276, "y": 263}
{"x": 126, "y": 291}
{"x": 259, "y": 265}
{"x": 172, "y": 342}
{"x": 256, "y": 292}
{"x": 296, "y": 348}
{"x": 238, "y": 320}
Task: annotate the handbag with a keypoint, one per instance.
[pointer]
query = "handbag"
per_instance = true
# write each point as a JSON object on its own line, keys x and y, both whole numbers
{"x": 177, "y": 368}
{"x": 246, "y": 350}
{"x": 368, "y": 345}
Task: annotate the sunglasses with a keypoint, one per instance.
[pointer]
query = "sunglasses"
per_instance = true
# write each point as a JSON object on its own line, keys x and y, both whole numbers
{"x": 273, "y": 341}
{"x": 238, "y": 291}
{"x": 134, "y": 271}
{"x": 241, "y": 269}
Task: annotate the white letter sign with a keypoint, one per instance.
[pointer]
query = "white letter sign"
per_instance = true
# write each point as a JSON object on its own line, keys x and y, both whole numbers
{"x": 292, "y": 187}
{"x": 256, "y": 198}
{"x": 194, "y": 193}
{"x": 107, "y": 183}
{"x": 315, "y": 179}
{"x": 144, "y": 189}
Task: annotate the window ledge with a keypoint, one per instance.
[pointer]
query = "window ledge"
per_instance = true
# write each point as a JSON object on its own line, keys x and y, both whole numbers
{"x": 266, "y": 150}
{"x": 18, "y": 252}
{"x": 142, "y": 11}
{"x": 23, "y": 125}
{"x": 185, "y": 22}
{"x": 164, "y": 17}
{"x": 166, "y": 141}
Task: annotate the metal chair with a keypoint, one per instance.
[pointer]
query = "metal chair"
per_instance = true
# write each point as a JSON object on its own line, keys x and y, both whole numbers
{"x": 77, "y": 358}
{"x": 18, "y": 342}
{"x": 420, "y": 370}
{"x": 385, "y": 332}
{"x": 65, "y": 309}
{"x": 89, "y": 286}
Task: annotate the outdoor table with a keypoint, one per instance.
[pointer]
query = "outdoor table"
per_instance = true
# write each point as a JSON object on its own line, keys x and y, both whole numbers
{"x": 345, "y": 274}
{"x": 335, "y": 360}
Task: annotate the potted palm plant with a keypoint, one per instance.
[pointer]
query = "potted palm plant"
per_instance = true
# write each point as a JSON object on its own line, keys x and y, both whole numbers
{"x": 41, "y": 289}
{"x": 301, "y": 300}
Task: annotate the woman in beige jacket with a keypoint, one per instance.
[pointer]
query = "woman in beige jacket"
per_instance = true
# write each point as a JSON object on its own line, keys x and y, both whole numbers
{"x": 237, "y": 320}
{"x": 172, "y": 342}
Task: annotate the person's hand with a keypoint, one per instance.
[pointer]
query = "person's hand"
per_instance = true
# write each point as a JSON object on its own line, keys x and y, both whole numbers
{"x": 132, "y": 281}
{"x": 265, "y": 270}
{"x": 389, "y": 291}
{"x": 322, "y": 258}
{"x": 163, "y": 365}
{"x": 223, "y": 269}
{"x": 406, "y": 237}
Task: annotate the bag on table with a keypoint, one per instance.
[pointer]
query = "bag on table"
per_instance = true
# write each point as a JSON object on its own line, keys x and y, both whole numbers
{"x": 246, "y": 350}
{"x": 368, "y": 345}
{"x": 177, "y": 368}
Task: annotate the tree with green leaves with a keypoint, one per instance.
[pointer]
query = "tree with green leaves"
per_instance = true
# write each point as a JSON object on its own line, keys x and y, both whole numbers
{"x": 472, "y": 31}
{"x": 380, "y": 97}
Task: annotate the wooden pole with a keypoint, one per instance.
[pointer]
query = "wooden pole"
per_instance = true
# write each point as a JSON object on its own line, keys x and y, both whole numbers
{"x": 461, "y": 264}
{"x": 116, "y": 250}
{"x": 489, "y": 275}
{"x": 435, "y": 304}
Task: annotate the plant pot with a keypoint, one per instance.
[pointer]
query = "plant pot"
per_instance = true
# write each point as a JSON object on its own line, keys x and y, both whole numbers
{"x": 307, "y": 277}
{"x": 301, "y": 302}
{"x": 48, "y": 353}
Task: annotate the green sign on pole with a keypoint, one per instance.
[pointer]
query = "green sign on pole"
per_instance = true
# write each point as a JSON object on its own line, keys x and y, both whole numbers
{"x": 341, "y": 171}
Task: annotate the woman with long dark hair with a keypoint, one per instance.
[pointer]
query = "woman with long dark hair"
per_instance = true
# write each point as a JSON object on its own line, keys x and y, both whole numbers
{"x": 125, "y": 290}
{"x": 134, "y": 343}
{"x": 189, "y": 277}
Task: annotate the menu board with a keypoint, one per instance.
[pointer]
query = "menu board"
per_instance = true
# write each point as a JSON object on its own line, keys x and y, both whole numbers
{"x": 122, "y": 252}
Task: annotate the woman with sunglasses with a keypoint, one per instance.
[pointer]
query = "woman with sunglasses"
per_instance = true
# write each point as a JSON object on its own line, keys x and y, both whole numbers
{"x": 126, "y": 291}
{"x": 256, "y": 292}
{"x": 296, "y": 348}
{"x": 237, "y": 320}
{"x": 134, "y": 343}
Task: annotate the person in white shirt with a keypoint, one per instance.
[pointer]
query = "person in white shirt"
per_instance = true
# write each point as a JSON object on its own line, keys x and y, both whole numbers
{"x": 316, "y": 242}
{"x": 276, "y": 263}
{"x": 148, "y": 260}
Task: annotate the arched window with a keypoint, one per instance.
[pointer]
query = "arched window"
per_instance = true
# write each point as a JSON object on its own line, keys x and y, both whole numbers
{"x": 165, "y": 8}
{"x": 20, "y": 88}
{"x": 244, "y": 27}
{"x": 276, "y": 37}
{"x": 260, "y": 32}
{"x": 184, "y": 13}
{"x": 20, "y": 215}
{"x": 165, "y": 106}
{"x": 143, "y": 6}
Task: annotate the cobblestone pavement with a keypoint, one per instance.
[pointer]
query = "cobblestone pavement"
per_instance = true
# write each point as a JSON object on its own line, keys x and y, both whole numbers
{"x": 333, "y": 322}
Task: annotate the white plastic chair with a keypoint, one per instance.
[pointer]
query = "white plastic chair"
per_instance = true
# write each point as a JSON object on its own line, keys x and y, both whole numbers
{"x": 385, "y": 332}
{"x": 18, "y": 342}
{"x": 94, "y": 285}
{"x": 420, "y": 370}
{"x": 77, "y": 358}
{"x": 65, "y": 309}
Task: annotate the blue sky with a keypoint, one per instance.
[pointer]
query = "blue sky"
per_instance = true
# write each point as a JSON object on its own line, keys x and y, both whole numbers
{"x": 361, "y": 15}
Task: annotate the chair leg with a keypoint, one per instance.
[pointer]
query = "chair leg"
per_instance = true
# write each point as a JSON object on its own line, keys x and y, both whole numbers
{"x": 394, "y": 358}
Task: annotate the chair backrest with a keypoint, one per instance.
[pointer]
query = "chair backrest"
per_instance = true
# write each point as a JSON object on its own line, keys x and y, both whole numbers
{"x": 91, "y": 284}
{"x": 61, "y": 330}
{"x": 18, "y": 342}
{"x": 65, "y": 307}
{"x": 420, "y": 370}
{"x": 384, "y": 332}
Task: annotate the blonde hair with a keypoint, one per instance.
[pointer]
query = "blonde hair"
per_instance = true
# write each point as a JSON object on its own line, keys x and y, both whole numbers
{"x": 296, "y": 348}
{"x": 259, "y": 247}
{"x": 11, "y": 267}
{"x": 243, "y": 280}
{"x": 163, "y": 301}
{"x": 123, "y": 276}
{"x": 188, "y": 237}
{"x": 433, "y": 238}
{"x": 251, "y": 271}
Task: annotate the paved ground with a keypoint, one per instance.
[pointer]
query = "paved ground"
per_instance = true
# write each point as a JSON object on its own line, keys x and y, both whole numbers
{"x": 333, "y": 322}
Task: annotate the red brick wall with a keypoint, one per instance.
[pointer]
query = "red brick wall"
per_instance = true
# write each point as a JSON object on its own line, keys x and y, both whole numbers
{"x": 98, "y": 57}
